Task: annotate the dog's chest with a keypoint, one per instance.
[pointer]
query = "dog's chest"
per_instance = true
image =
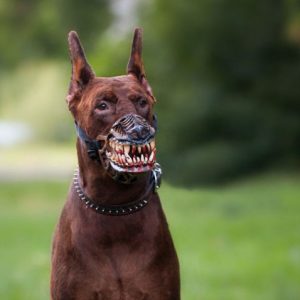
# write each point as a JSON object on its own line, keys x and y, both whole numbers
{"x": 118, "y": 272}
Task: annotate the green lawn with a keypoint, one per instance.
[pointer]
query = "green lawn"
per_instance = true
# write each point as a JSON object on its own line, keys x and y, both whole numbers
{"x": 236, "y": 242}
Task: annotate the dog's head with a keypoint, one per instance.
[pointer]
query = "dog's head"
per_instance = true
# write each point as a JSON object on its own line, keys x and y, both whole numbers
{"x": 116, "y": 111}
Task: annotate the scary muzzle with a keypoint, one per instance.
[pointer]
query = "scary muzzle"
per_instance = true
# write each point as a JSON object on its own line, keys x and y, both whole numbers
{"x": 129, "y": 146}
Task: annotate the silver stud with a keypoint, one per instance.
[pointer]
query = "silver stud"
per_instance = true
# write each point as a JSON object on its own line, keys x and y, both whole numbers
{"x": 103, "y": 209}
{"x": 141, "y": 204}
{"x": 117, "y": 211}
{"x": 92, "y": 205}
{"x": 145, "y": 201}
{"x": 136, "y": 207}
{"x": 109, "y": 211}
{"x": 97, "y": 208}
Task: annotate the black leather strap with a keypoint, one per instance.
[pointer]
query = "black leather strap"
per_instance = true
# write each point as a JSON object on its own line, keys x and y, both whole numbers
{"x": 93, "y": 146}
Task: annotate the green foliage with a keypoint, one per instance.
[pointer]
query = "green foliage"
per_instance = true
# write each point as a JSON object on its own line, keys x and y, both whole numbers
{"x": 235, "y": 242}
{"x": 225, "y": 74}
{"x": 229, "y": 99}
{"x": 38, "y": 28}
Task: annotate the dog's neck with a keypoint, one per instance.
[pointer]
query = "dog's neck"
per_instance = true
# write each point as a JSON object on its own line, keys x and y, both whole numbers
{"x": 100, "y": 187}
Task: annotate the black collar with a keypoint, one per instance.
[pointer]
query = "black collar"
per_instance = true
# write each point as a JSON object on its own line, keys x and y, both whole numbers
{"x": 121, "y": 209}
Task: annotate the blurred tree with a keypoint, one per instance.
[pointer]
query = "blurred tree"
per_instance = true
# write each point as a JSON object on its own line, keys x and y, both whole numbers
{"x": 38, "y": 28}
{"x": 230, "y": 99}
{"x": 225, "y": 74}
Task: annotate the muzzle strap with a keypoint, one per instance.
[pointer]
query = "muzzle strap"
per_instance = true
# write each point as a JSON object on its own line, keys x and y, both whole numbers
{"x": 93, "y": 146}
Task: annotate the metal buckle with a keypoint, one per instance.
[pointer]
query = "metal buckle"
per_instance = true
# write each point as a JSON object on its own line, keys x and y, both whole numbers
{"x": 157, "y": 173}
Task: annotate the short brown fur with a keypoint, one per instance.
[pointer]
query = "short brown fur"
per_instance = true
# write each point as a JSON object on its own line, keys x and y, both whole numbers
{"x": 95, "y": 256}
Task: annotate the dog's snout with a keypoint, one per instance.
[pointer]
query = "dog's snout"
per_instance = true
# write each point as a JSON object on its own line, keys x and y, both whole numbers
{"x": 139, "y": 132}
{"x": 133, "y": 128}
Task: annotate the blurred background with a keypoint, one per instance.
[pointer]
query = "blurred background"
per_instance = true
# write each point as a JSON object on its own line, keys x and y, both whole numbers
{"x": 226, "y": 76}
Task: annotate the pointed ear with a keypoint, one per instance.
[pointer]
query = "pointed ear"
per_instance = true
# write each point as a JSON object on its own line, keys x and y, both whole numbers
{"x": 82, "y": 73}
{"x": 135, "y": 65}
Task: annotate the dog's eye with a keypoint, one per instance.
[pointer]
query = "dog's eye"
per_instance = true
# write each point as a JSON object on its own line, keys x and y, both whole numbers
{"x": 142, "y": 102}
{"x": 102, "y": 106}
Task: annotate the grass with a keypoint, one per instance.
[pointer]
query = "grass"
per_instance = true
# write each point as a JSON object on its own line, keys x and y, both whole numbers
{"x": 236, "y": 242}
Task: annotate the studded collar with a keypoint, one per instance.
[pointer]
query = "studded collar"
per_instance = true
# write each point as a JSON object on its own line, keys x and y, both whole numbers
{"x": 120, "y": 209}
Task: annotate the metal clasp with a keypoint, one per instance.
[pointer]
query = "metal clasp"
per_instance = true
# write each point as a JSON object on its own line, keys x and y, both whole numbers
{"x": 157, "y": 173}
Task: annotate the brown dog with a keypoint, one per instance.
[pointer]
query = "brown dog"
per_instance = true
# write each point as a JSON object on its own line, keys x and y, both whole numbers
{"x": 112, "y": 240}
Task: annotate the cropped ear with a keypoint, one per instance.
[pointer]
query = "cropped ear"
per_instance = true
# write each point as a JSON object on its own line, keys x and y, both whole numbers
{"x": 135, "y": 65}
{"x": 82, "y": 73}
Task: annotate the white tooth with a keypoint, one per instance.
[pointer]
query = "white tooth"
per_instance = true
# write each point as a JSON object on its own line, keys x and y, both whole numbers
{"x": 134, "y": 159}
{"x": 119, "y": 157}
{"x": 123, "y": 159}
{"x": 146, "y": 159}
{"x": 126, "y": 149}
{"x": 152, "y": 144}
{"x": 139, "y": 149}
{"x": 142, "y": 158}
{"x": 148, "y": 147}
{"x": 128, "y": 158}
{"x": 138, "y": 159}
{"x": 151, "y": 156}
{"x": 108, "y": 154}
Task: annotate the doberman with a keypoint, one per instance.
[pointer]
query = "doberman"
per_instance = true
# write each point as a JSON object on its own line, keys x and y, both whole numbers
{"x": 112, "y": 241}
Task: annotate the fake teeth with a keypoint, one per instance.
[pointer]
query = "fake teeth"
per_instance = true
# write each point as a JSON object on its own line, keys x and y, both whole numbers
{"x": 126, "y": 149}
{"x": 131, "y": 155}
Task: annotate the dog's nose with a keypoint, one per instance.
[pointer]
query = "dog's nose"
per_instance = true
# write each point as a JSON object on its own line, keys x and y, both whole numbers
{"x": 139, "y": 132}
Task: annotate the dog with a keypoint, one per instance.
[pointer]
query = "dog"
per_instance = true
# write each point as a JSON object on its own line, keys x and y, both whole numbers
{"x": 112, "y": 241}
